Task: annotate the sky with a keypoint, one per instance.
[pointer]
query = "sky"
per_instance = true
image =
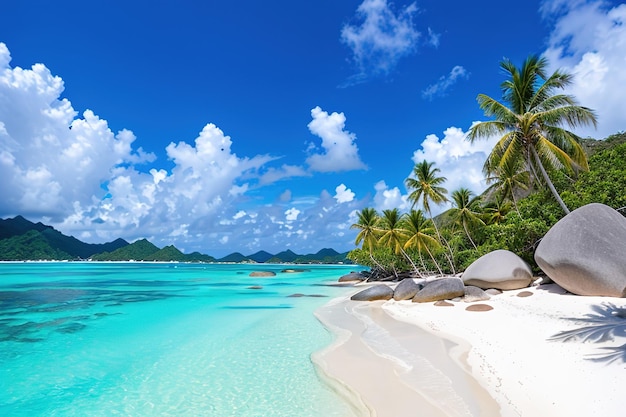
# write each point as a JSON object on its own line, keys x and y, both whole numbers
{"x": 225, "y": 126}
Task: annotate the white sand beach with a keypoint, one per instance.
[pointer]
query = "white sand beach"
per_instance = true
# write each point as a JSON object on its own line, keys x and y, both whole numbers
{"x": 418, "y": 359}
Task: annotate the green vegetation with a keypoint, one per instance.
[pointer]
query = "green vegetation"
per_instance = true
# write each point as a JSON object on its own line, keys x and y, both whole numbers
{"x": 532, "y": 138}
{"x": 534, "y": 157}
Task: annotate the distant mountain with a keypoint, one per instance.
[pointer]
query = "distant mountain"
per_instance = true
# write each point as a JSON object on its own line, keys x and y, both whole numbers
{"x": 21, "y": 239}
{"x": 285, "y": 256}
{"x": 136, "y": 251}
{"x": 31, "y": 245}
{"x": 70, "y": 245}
{"x": 261, "y": 256}
{"x": 233, "y": 257}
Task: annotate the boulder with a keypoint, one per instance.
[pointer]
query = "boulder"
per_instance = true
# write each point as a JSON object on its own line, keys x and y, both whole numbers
{"x": 473, "y": 294}
{"x": 406, "y": 289}
{"x": 584, "y": 252}
{"x": 352, "y": 276}
{"x": 373, "y": 293}
{"x": 440, "y": 289}
{"x": 262, "y": 274}
{"x": 501, "y": 269}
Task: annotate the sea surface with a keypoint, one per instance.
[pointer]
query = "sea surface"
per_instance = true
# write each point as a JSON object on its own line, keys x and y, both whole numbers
{"x": 164, "y": 339}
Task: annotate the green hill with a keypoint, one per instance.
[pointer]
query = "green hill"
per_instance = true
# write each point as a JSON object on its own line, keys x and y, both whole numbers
{"x": 136, "y": 251}
{"x": 30, "y": 246}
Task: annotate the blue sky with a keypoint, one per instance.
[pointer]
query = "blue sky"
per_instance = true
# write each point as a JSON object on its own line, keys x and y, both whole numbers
{"x": 240, "y": 126}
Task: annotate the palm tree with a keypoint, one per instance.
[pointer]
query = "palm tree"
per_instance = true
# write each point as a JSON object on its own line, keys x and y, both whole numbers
{"x": 508, "y": 177}
{"x": 367, "y": 224}
{"x": 426, "y": 185}
{"x": 420, "y": 232}
{"x": 496, "y": 210}
{"x": 392, "y": 234}
{"x": 530, "y": 122}
{"x": 463, "y": 213}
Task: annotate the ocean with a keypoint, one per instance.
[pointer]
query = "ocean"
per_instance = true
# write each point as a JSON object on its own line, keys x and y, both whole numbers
{"x": 164, "y": 339}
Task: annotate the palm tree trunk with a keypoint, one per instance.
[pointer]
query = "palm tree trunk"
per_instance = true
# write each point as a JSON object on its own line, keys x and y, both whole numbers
{"x": 548, "y": 181}
{"x": 445, "y": 242}
{"x": 408, "y": 258}
{"x": 468, "y": 235}
{"x": 433, "y": 258}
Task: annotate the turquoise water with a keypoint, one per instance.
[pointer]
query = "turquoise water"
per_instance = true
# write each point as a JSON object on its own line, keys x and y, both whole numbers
{"x": 140, "y": 339}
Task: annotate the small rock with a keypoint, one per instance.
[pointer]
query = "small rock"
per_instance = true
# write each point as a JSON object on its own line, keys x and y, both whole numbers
{"x": 473, "y": 294}
{"x": 493, "y": 291}
{"x": 255, "y": 287}
{"x": 524, "y": 294}
{"x": 443, "y": 303}
{"x": 262, "y": 274}
{"x": 479, "y": 307}
{"x": 352, "y": 276}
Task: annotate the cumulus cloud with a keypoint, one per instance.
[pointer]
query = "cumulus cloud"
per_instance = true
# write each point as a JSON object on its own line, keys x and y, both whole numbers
{"x": 339, "y": 151}
{"x": 51, "y": 161}
{"x": 589, "y": 41}
{"x": 389, "y": 198}
{"x": 459, "y": 161}
{"x": 73, "y": 172}
{"x": 444, "y": 83}
{"x": 381, "y": 37}
{"x": 343, "y": 194}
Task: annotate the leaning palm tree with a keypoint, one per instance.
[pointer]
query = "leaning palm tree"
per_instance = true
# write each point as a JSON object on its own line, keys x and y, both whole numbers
{"x": 463, "y": 212}
{"x": 420, "y": 231}
{"x": 508, "y": 177}
{"x": 496, "y": 210}
{"x": 426, "y": 186}
{"x": 392, "y": 234}
{"x": 530, "y": 122}
{"x": 367, "y": 224}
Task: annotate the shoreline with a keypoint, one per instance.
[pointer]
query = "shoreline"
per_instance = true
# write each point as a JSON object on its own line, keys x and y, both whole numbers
{"x": 396, "y": 357}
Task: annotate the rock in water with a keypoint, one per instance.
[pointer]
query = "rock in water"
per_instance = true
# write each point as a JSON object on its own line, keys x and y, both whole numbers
{"x": 501, "y": 269}
{"x": 262, "y": 274}
{"x": 376, "y": 292}
{"x": 406, "y": 289}
{"x": 584, "y": 252}
{"x": 440, "y": 289}
{"x": 352, "y": 276}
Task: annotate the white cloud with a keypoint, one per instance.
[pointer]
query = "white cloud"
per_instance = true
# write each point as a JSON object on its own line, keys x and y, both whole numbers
{"x": 386, "y": 198}
{"x": 273, "y": 175}
{"x": 459, "y": 161}
{"x": 589, "y": 41}
{"x": 340, "y": 152}
{"x": 381, "y": 38}
{"x": 292, "y": 214}
{"x": 343, "y": 194}
{"x": 445, "y": 82}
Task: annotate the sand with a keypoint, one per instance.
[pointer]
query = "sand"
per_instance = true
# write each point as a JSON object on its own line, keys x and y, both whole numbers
{"x": 411, "y": 359}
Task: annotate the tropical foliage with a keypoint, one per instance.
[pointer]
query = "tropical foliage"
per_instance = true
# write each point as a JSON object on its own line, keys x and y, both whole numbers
{"x": 530, "y": 124}
{"x": 516, "y": 211}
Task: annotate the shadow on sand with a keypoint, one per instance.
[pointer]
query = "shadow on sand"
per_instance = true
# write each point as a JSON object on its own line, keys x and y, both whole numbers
{"x": 606, "y": 323}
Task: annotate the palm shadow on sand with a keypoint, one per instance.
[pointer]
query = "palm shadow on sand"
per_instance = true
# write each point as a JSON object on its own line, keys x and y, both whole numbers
{"x": 606, "y": 323}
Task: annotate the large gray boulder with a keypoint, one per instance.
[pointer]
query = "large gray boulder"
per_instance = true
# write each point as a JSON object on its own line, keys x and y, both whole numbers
{"x": 374, "y": 293}
{"x": 406, "y": 289}
{"x": 585, "y": 252}
{"x": 440, "y": 289}
{"x": 501, "y": 269}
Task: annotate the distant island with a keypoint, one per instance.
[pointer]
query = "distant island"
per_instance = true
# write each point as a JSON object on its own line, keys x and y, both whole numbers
{"x": 23, "y": 240}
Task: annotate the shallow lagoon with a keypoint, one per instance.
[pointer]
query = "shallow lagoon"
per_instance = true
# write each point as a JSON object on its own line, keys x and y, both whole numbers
{"x": 158, "y": 339}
